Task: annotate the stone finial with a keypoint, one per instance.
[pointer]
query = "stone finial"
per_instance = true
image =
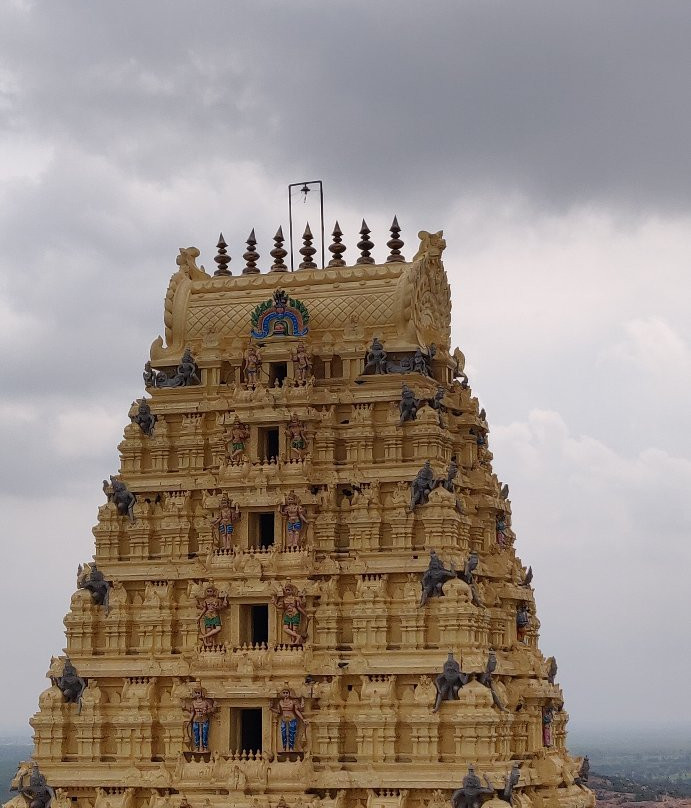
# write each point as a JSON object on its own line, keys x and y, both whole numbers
{"x": 251, "y": 255}
{"x": 365, "y": 245}
{"x": 222, "y": 259}
{"x": 307, "y": 250}
{"x": 278, "y": 253}
{"x": 395, "y": 243}
{"x": 336, "y": 248}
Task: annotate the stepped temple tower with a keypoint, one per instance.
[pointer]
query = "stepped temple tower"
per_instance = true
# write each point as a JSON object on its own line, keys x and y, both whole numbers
{"x": 305, "y": 591}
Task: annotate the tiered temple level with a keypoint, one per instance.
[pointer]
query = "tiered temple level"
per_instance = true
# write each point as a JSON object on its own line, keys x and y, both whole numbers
{"x": 264, "y": 624}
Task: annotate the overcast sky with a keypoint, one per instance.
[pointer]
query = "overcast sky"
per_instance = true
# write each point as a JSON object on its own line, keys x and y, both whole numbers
{"x": 549, "y": 140}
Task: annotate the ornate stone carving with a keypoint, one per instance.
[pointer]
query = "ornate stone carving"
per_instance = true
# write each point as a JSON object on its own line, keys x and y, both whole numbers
{"x": 224, "y": 523}
{"x": 291, "y": 603}
{"x": 89, "y": 577}
{"x": 210, "y": 606}
{"x": 302, "y": 363}
{"x": 522, "y": 621}
{"x": 422, "y": 486}
{"x": 297, "y": 438}
{"x": 200, "y": 708}
{"x": 281, "y": 316}
{"x": 449, "y": 682}
{"x": 472, "y": 793}
{"x": 144, "y": 418}
{"x": 124, "y": 500}
{"x": 434, "y": 578}
{"x": 236, "y": 439}
{"x": 70, "y": 683}
{"x": 32, "y": 786}
{"x": 288, "y": 708}
{"x": 296, "y": 519}
{"x": 253, "y": 366}
{"x": 408, "y": 406}
{"x": 186, "y": 374}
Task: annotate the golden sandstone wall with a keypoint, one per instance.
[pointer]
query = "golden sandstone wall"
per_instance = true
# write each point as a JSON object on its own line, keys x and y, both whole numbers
{"x": 257, "y": 638}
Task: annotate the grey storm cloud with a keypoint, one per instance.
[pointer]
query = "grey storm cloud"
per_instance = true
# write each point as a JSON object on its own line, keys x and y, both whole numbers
{"x": 567, "y": 103}
{"x": 549, "y": 140}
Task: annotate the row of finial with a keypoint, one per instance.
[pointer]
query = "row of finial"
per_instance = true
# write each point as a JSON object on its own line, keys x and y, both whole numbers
{"x": 307, "y": 251}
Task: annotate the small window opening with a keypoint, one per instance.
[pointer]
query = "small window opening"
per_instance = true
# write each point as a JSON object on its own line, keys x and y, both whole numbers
{"x": 269, "y": 443}
{"x": 277, "y": 373}
{"x": 254, "y": 624}
{"x": 246, "y": 729}
{"x": 260, "y": 623}
{"x": 266, "y": 529}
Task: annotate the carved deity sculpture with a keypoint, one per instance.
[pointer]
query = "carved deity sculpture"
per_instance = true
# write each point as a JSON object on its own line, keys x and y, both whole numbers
{"x": 376, "y": 357}
{"x": 32, "y": 786}
{"x": 296, "y": 435}
{"x": 434, "y": 578}
{"x": 253, "y": 366}
{"x": 296, "y": 519}
{"x": 237, "y": 438}
{"x": 224, "y": 523}
{"x": 449, "y": 682}
{"x": 510, "y": 782}
{"x": 467, "y": 575}
{"x": 123, "y": 499}
{"x": 288, "y": 708}
{"x": 547, "y": 721}
{"x": 211, "y": 604}
{"x": 501, "y": 530}
{"x": 70, "y": 684}
{"x": 89, "y": 577}
{"x": 522, "y": 621}
{"x": 472, "y": 793}
{"x": 186, "y": 374}
{"x": 421, "y": 361}
{"x": 292, "y": 603}
{"x": 200, "y": 709}
{"x": 144, "y": 418}
{"x": 459, "y": 366}
{"x": 448, "y": 482}
{"x": 437, "y": 404}
{"x": 302, "y": 363}
{"x": 422, "y": 486}
{"x": 408, "y": 406}
{"x": 552, "y": 669}
{"x": 485, "y": 678}
{"x": 583, "y": 772}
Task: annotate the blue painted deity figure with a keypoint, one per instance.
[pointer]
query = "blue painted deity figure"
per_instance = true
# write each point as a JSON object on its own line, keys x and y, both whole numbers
{"x": 289, "y": 710}
{"x": 224, "y": 522}
{"x": 200, "y": 710}
{"x": 296, "y": 519}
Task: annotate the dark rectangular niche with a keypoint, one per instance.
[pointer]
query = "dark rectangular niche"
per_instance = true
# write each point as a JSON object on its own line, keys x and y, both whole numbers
{"x": 246, "y": 729}
{"x": 254, "y": 623}
{"x": 261, "y": 529}
{"x": 277, "y": 373}
{"x": 269, "y": 445}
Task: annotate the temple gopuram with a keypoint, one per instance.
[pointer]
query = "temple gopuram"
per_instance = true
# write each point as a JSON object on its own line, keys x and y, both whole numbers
{"x": 305, "y": 591}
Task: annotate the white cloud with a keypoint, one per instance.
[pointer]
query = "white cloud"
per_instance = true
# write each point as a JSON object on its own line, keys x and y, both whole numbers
{"x": 650, "y": 345}
{"x": 607, "y": 535}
